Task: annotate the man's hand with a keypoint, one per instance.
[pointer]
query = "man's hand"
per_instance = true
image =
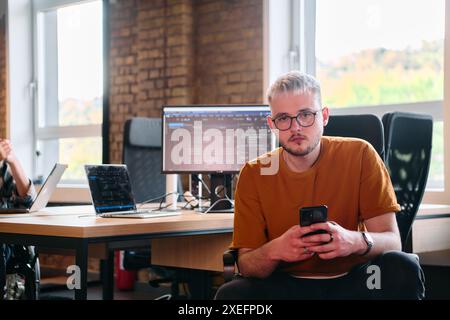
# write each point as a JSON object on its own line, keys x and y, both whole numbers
{"x": 291, "y": 247}
{"x": 6, "y": 152}
{"x": 337, "y": 242}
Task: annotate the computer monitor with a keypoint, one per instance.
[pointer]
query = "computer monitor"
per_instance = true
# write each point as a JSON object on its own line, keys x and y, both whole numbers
{"x": 214, "y": 139}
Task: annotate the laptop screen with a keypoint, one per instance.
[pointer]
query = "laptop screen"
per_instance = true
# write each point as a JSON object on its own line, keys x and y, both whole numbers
{"x": 110, "y": 188}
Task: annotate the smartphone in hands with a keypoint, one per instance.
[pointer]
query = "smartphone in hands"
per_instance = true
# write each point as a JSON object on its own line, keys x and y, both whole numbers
{"x": 311, "y": 215}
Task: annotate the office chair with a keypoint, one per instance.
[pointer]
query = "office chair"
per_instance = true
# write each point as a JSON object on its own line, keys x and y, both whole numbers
{"x": 20, "y": 275}
{"x": 366, "y": 126}
{"x": 142, "y": 155}
{"x": 408, "y": 140}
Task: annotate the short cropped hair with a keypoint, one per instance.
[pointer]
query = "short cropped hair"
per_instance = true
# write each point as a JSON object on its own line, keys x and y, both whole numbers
{"x": 295, "y": 82}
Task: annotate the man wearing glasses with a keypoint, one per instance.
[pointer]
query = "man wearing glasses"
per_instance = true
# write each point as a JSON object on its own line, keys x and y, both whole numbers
{"x": 358, "y": 256}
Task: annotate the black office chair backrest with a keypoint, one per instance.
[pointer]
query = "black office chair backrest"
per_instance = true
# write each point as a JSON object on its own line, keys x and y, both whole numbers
{"x": 364, "y": 126}
{"x": 142, "y": 155}
{"x": 408, "y": 139}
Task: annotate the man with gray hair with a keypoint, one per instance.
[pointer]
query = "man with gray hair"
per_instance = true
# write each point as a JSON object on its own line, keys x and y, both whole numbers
{"x": 357, "y": 255}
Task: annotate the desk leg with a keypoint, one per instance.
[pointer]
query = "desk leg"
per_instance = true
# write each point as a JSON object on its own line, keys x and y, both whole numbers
{"x": 108, "y": 276}
{"x": 2, "y": 270}
{"x": 82, "y": 262}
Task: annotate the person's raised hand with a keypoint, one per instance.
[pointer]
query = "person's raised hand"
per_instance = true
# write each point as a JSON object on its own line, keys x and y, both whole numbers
{"x": 6, "y": 151}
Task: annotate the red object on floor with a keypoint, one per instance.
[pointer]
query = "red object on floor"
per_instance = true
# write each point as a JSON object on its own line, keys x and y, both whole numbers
{"x": 124, "y": 278}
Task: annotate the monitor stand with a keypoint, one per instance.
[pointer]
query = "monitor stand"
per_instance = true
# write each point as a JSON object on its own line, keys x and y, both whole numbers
{"x": 171, "y": 192}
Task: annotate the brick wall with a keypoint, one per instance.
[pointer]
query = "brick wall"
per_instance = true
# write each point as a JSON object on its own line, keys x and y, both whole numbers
{"x": 181, "y": 52}
{"x": 3, "y": 76}
{"x": 151, "y": 61}
{"x": 228, "y": 43}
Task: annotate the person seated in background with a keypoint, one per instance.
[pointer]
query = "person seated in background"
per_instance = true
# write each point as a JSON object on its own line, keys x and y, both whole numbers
{"x": 358, "y": 256}
{"x": 16, "y": 191}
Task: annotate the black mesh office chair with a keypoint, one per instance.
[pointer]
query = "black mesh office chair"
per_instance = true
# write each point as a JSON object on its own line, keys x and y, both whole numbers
{"x": 364, "y": 126}
{"x": 142, "y": 155}
{"x": 367, "y": 127}
{"x": 408, "y": 140}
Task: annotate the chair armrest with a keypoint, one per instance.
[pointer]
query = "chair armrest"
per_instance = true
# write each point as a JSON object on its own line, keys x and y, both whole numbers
{"x": 229, "y": 263}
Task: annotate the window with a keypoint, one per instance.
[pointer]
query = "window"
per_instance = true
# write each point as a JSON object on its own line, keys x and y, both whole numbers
{"x": 378, "y": 56}
{"x": 69, "y": 85}
{"x": 374, "y": 55}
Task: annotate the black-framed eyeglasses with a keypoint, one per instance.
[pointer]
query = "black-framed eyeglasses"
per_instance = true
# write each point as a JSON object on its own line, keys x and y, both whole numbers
{"x": 303, "y": 118}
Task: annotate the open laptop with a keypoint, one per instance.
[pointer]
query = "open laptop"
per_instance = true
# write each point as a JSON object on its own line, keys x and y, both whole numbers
{"x": 112, "y": 195}
{"x": 45, "y": 192}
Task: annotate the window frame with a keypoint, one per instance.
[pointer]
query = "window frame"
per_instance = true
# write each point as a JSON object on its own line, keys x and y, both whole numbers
{"x": 48, "y": 133}
{"x": 302, "y": 34}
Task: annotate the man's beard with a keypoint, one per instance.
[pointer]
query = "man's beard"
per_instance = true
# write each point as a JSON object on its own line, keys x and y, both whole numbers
{"x": 303, "y": 153}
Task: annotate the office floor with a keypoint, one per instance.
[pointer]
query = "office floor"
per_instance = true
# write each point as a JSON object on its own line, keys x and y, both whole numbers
{"x": 437, "y": 288}
{"x": 437, "y": 281}
{"x": 191, "y": 285}
{"x": 55, "y": 289}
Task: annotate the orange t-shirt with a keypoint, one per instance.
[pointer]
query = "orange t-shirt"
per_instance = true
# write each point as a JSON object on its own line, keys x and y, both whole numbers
{"x": 349, "y": 177}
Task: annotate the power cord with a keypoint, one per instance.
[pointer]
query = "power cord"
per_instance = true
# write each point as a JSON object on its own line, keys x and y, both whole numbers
{"x": 162, "y": 200}
{"x": 162, "y": 197}
{"x": 222, "y": 189}
{"x": 197, "y": 179}
{"x": 163, "y": 207}
{"x": 191, "y": 200}
{"x": 211, "y": 207}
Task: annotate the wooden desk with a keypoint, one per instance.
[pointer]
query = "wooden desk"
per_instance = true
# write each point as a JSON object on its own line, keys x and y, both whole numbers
{"x": 433, "y": 211}
{"x": 77, "y": 228}
{"x": 431, "y": 236}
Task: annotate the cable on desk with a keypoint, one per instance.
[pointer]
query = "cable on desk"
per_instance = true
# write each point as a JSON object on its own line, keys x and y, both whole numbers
{"x": 157, "y": 198}
{"x": 211, "y": 207}
{"x": 197, "y": 179}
